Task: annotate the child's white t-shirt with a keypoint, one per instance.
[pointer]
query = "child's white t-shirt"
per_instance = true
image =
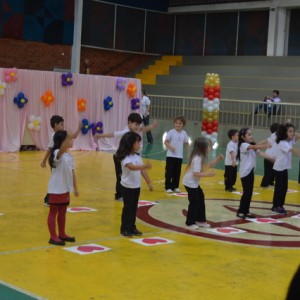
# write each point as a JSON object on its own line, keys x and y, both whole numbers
{"x": 283, "y": 159}
{"x": 247, "y": 160}
{"x": 231, "y": 147}
{"x": 272, "y": 141}
{"x": 119, "y": 134}
{"x": 51, "y": 141}
{"x": 61, "y": 180}
{"x": 176, "y": 139}
{"x": 131, "y": 179}
{"x": 189, "y": 179}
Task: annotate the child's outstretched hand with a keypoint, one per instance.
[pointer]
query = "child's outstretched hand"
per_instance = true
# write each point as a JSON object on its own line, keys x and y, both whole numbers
{"x": 220, "y": 157}
{"x": 147, "y": 165}
{"x": 150, "y": 186}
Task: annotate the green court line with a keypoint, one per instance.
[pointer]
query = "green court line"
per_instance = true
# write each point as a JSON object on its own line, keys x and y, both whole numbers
{"x": 10, "y": 292}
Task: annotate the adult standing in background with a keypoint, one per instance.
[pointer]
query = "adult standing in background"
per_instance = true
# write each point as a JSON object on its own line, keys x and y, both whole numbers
{"x": 146, "y": 115}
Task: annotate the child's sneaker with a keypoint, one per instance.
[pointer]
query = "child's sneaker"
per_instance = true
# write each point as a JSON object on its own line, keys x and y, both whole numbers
{"x": 177, "y": 190}
{"x": 193, "y": 227}
{"x": 281, "y": 210}
{"x": 169, "y": 191}
{"x": 203, "y": 224}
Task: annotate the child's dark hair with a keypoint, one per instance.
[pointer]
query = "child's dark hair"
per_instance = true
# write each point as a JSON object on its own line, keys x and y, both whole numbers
{"x": 181, "y": 119}
{"x": 274, "y": 127}
{"x": 126, "y": 144}
{"x": 232, "y": 132}
{"x": 276, "y": 91}
{"x": 56, "y": 120}
{"x": 282, "y": 130}
{"x": 200, "y": 148}
{"x": 242, "y": 134}
{"x": 135, "y": 118}
{"x": 58, "y": 139}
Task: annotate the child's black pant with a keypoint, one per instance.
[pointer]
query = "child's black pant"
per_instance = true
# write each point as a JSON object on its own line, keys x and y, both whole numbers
{"x": 281, "y": 187}
{"x": 247, "y": 183}
{"x": 173, "y": 171}
{"x": 230, "y": 176}
{"x": 118, "y": 171}
{"x": 130, "y": 201}
{"x": 268, "y": 178}
{"x": 196, "y": 210}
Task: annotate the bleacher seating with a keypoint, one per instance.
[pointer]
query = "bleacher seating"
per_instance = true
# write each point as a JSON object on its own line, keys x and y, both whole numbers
{"x": 242, "y": 77}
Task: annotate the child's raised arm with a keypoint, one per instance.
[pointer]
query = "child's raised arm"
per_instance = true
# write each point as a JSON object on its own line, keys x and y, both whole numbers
{"x": 150, "y": 127}
{"x": 74, "y": 135}
{"x": 103, "y": 135}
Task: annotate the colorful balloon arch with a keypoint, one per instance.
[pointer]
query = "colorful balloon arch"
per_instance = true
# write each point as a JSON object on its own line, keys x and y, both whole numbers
{"x": 211, "y": 107}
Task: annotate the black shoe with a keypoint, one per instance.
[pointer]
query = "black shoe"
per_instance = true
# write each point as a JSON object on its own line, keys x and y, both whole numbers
{"x": 126, "y": 233}
{"x": 240, "y": 215}
{"x": 249, "y": 216}
{"x": 67, "y": 239}
{"x": 58, "y": 243}
{"x": 136, "y": 232}
{"x": 119, "y": 198}
{"x": 230, "y": 190}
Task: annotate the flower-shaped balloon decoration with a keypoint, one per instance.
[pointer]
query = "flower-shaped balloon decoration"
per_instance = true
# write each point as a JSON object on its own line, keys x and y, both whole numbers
{"x": 121, "y": 82}
{"x": 2, "y": 88}
{"x": 20, "y": 100}
{"x": 11, "y": 75}
{"x": 135, "y": 103}
{"x": 34, "y": 123}
{"x": 85, "y": 126}
{"x": 81, "y": 104}
{"x": 66, "y": 79}
{"x": 108, "y": 104}
{"x": 97, "y": 128}
{"x": 131, "y": 89}
{"x": 47, "y": 98}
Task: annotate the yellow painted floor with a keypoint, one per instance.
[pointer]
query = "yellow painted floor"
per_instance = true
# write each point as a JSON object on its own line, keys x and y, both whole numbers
{"x": 236, "y": 259}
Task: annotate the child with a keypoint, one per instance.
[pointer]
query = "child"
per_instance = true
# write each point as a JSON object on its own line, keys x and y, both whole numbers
{"x": 57, "y": 123}
{"x": 247, "y": 157}
{"x": 230, "y": 160}
{"x": 268, "y": 178}
{"x": 195, "y": 170}
{"x": 61, "y": 183}
{"x": 132, "y": 168}
{"x": 134, "y": 123}
{"x": 286, "y": 139}
{"x": 174, "y": 142}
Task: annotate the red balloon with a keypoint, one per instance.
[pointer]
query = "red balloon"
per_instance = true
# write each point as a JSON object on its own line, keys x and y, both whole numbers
{"x": 205, "y": 94}
{"x": 209, "y": 131}
{"x": 217, "y": 95}
{"x": 217, "y": 89}
{"x": 215, "y": 123}
{"x": 211, "y": 97}
{"x": 215, "y": 129}
{"x": 211, "y": 91}
{"x": 203, "y": 128}
{"x": 204, "y": 122}
{"x": 209, "y": 125}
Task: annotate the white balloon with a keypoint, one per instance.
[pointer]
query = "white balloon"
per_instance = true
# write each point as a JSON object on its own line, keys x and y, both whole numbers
{"x": 31, "y": 118}
{"x": 205, "y": 105}
{"x": 39, "y": 119}
{"x": 210, "y": 109}
{"x": 208, "y": 136}
{"x": 203, "y": 133}
{"x": 216, "y": 106}
{"x": 30, "y": 125}
{"x": 216, "y": 101}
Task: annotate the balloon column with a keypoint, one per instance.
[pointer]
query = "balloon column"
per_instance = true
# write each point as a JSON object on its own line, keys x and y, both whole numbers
{"x": 211, "y": 107}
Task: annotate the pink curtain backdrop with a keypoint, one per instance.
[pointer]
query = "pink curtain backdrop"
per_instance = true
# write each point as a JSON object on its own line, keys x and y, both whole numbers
{"x": 93, "y": 88}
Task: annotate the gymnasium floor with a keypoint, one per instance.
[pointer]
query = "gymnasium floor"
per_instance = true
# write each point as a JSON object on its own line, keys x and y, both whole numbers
{"x": 235, "y": 259}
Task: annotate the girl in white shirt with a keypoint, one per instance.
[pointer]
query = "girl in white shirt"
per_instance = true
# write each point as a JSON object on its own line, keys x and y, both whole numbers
{"x": 196, "y": 169}
{"x": 174, "y": 142}
{"x": 61, "y": 183}
{"x": 132, "y": 168}
{"x": 286, "y": 139}
{"x": 247, "y": 157}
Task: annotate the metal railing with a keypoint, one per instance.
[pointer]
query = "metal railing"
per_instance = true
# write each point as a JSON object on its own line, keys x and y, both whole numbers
{"x": 232, "y": 112}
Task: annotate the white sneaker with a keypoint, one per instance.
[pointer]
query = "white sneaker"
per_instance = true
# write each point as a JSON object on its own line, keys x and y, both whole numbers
{"x": 193, "y": 227}
{"x": 202, "y": 224}
{"x": 169, "y": 191}
{"x": 177, "y": 191}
